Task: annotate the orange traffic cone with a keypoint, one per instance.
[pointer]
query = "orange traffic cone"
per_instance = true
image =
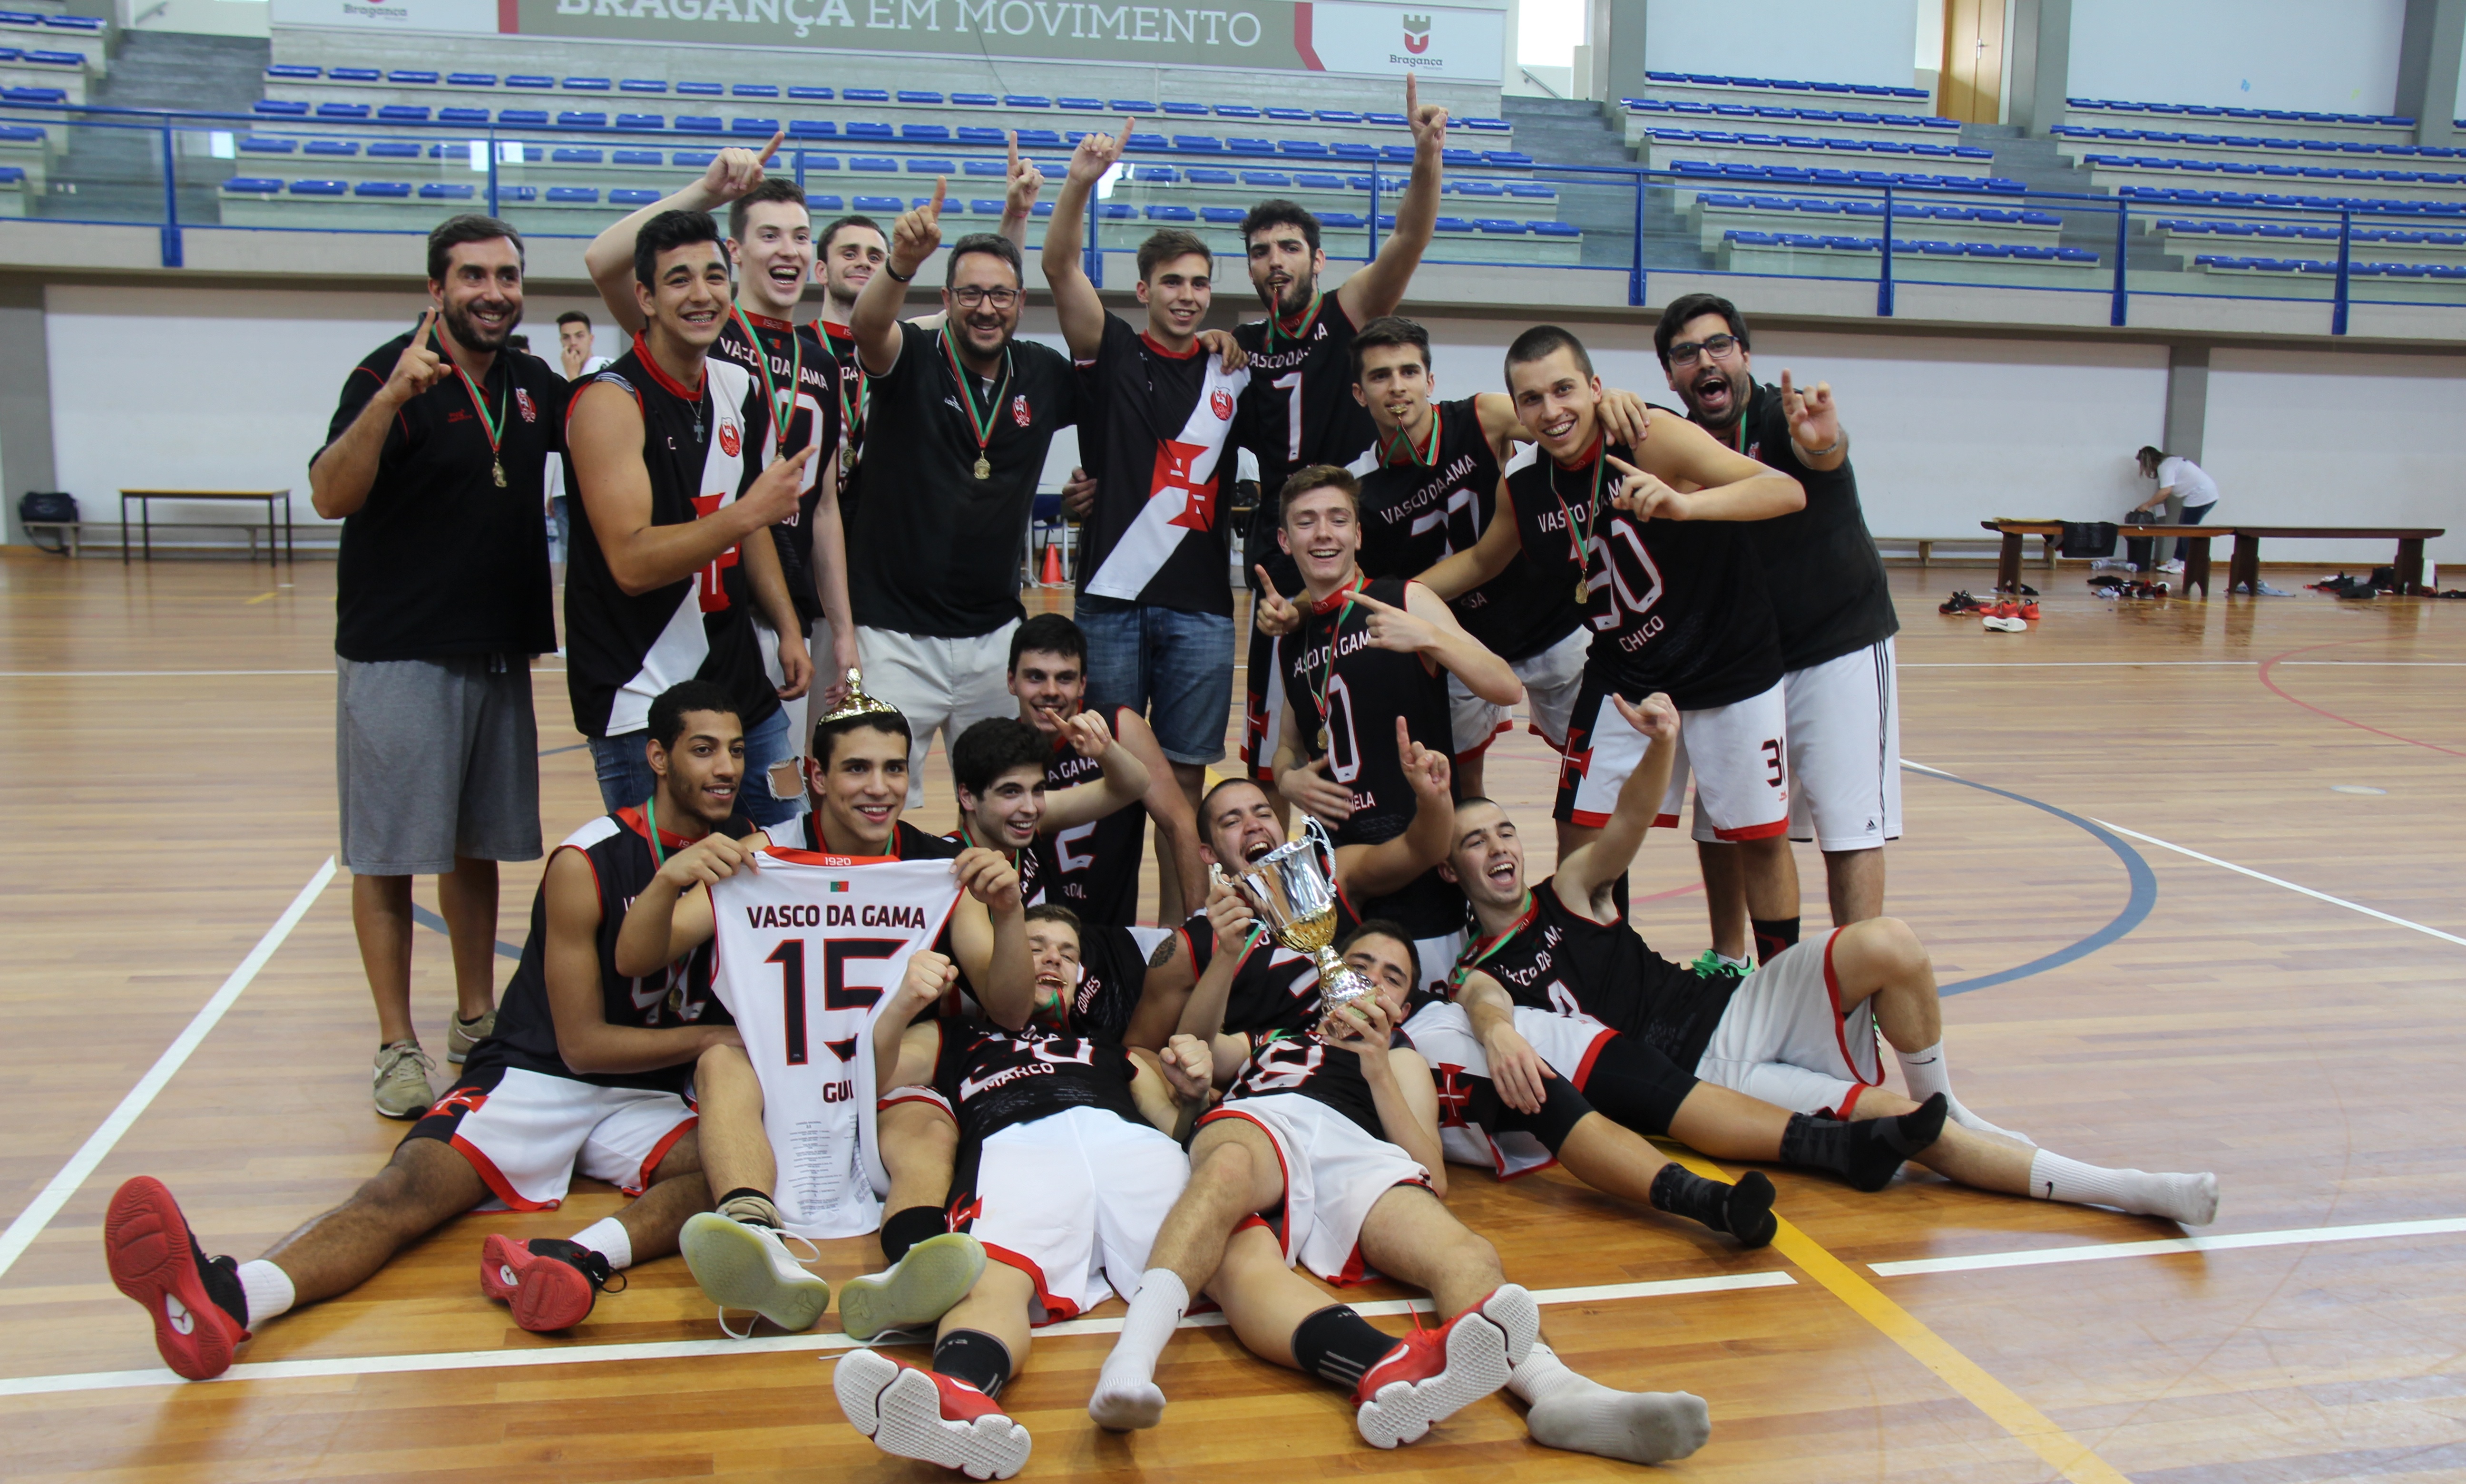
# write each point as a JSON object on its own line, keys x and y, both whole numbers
{"x": 1051, "y": 576}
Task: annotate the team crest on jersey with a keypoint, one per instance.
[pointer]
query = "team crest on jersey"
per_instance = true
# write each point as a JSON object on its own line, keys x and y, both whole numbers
{"x": 523, "y": 400}
{"x": 1019, "y": 412}
{"x": 728, "y": 442}
{"x": 1221, "y": 401}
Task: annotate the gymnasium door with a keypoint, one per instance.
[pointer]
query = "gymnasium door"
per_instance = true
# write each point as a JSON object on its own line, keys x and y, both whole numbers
{"x": 1973, "y": 60}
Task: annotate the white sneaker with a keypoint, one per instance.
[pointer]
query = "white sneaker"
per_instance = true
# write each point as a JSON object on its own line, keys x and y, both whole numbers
{"x": 2170, "y": 566}
{"x": 747, "y": 1267}
{"x": 2008, "y": 625}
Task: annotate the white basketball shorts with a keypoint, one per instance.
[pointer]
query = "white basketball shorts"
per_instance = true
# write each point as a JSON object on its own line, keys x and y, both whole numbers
{"x": 1335, "y": 1172}
{"x": 1784, "y": 1039}
{"x": 1844, "y": 750}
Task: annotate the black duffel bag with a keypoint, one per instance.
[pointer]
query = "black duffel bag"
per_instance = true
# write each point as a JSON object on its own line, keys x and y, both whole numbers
{"x": 47, "y": 507}
{"x": 2089, "y": 538}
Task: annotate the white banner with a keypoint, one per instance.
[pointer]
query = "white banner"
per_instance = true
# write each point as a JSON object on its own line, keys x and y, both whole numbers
{"x": 390, "y": 17}
{"x": 1459, "y": 46}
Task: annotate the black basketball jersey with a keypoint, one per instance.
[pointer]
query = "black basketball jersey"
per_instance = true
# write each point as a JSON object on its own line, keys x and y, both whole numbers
{"x": 1678, "y": 606}
{"x": 623, "y": 649}
{"x": 618, "y": 847}
{"x": 1300, "y": 1062}
{"x": 998, "y": 1079}
{"x": 1156, "y": 434}
{"x": 1112, "y": 973}
{"x": 1437, "y": 502}
{"x": 851, "y": 408}
{"x": 1092, "y": 868}
{"x": 1349, "y": 715}
{"x": 1829, "y": 595}
{"x": 1298, "y": 410}
{"x": 802, "y": 386}
{"x": 1556, "y": 959}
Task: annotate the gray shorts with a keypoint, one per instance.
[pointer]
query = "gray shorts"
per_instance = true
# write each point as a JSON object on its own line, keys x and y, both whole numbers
{"x": 434, "y": 760}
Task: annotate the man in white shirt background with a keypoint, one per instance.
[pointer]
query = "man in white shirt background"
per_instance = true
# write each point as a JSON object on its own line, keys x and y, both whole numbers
{"x": 2185, "y": 484}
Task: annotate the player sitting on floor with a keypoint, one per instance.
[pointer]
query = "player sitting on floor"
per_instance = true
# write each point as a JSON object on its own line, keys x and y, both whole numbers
{"x": 1558, "y": 969}
{"x": 1007, "y": 803}
{"x": 585, "y": 1074}
{"x": 858, "y": 785}
{"x": 1044, "y": 1108}
{"x": 1326, "y": 1152}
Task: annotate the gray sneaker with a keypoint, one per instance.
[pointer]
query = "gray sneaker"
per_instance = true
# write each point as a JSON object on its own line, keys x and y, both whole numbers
{"x": 402, "y": 1090}
{"x": 461, "y": 1035}
{"x": 747, "y": 1267}
{"x": 918, "y": 1289}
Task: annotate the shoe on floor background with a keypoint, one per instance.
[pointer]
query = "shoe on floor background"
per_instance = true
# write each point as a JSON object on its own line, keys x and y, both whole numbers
{"x": 2004, "y": 626}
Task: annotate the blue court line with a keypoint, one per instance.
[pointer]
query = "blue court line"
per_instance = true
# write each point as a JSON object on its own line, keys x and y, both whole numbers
{"x": 2136, "y": 908}
{"x": 435, "y": 924}
{"x": 554, "y": 751}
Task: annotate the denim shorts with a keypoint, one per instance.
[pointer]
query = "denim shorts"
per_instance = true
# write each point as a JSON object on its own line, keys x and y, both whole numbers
{"x": 1175, "y": 668}
{"x": 625, "y": 777}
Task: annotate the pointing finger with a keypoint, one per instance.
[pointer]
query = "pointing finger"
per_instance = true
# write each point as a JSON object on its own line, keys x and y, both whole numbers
{"x": 1624, "y": 467}
{"x": 941, "y": 188}
{"x": 1012, "y": 136}
{"x": 778, "y": 136}
{"x": 1412, "y": 99}
{"x": 1267, "y": 584}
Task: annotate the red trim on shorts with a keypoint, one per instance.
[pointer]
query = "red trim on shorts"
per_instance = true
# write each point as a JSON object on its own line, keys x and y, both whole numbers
{"x": 495, "y": 1180}
{"x": 1584, "y": 1069}
{"x": 1496, "y": 732}
{"x": 1357, "y": 1267}
{"x": 1056, "y": 1310}
{"x": 1840, "y": 1022}
{"x": 1751, "y": 832}
{"x": 658, "y": 1152}
{"x": 1659, "y": 820}
{"x": 1849, "y": 1105}
{"x": 1592, "y": 819}
{"x": 915, "y": 1094}
{"x": 1282, "y": 1225}
{"x": 1557, "y": 745}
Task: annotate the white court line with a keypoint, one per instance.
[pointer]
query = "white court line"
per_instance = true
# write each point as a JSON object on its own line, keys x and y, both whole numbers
{"x": 2040, "y": 1256}
{"x": 697, "y": 1349}
{"x": 38, "y": 1214}
{"x": 2321, "y": 896}
{"x": 2160, "y": 665}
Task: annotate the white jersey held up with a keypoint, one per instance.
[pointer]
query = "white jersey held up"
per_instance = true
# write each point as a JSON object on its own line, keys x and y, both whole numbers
{"x": 809, "y": 948}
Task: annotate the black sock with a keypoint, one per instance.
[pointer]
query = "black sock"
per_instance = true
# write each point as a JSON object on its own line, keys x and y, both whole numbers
{"x": 1867, "y": 1154}
{"x": 1744, "y": 1210}
{"x": 1772, "y": 935}
{"x": 221, "y": 1276}
{"x": 1338, "y": 1346}
{"x": 904, "y": 1230}
{"x": 976, "y": 1357}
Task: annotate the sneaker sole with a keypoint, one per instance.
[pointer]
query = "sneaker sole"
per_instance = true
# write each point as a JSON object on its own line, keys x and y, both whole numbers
{"x": 732, "y": 1264}
{"x": 1511, "y": 1308}
{"x": 146, "y": 1242}
{"x": 545, "y": 1295}
{"x": 901, "y": 1409}
{"x": 936, "y": 1273}
{"x": 1404, "y": 1410}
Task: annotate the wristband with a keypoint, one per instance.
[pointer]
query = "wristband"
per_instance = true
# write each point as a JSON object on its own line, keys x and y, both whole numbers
{"x": 897, "y": 277}
{"x": 1825, "y": 451}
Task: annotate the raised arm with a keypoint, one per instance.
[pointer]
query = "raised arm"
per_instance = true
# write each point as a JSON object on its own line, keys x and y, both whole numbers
{"x": 903, "y": 1053}
{"x": 1176, "y": 821}
{"x": 991, "y": 941}
{"x": 1236, "y": 929}
{"x": 609, "y": 259}
{"x": 1729, "y": 485}
{"x": 672, "y": 916}
{"x": 1125, "y": 779}
{"x": 1379, "y": 286}
{"x": 1018, "y": 203}
{"x": 1815, "y": 432}
{"x": 874, "y": 323}
{"x": 1395, "y": 864}
{"x": 344, "y": 470}
{"x": 585, "y": 1041}
{"x": 604, "y": 439}
{"x": 1586, "y": 873}
{"x": 1465, "y": 657}
{"x": 1074, "y": 299}
{"x": 1488, "y": 557}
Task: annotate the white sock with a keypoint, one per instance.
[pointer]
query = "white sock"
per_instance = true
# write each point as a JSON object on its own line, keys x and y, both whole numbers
{"x": 1926, "y": 1075}
{"x": 1583, "y": 1416}
{"x": 268, "y": 1288}
{"x": 608, "y": 1237}
{"x": 1126, "y": 1395}
{"x": 2190, "y": 1199}
{"x": 1728, "y": 962}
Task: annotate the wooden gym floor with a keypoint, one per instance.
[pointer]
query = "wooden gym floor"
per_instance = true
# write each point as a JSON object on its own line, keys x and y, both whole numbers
{"x": 2252, "y": 966}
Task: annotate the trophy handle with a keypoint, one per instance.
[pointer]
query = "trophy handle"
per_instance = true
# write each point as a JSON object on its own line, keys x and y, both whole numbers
{"x": 1317, "y": 834}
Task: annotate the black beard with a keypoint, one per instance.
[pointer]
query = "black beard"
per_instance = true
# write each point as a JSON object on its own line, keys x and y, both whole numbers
{"x": 457, "y": 319}
{"x": 1695, "y": 405}
{"x": 1298, "y": 297}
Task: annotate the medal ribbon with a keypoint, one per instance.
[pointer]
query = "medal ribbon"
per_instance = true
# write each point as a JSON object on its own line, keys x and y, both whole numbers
{"x": 1580, "y": 538}
{"x": 982, "y": 426}
{"x": 783, "y": 410}
{"x": 851, "y": 414}
{"x": 1420, "y": 457}
{"x": 496, "y": 428}
{"x": 1275, "y": 325}
{"x": 1482, "y": 950}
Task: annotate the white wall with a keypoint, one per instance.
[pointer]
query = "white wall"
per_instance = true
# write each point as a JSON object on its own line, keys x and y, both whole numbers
{"x": 1813, "y": 40}
{"x": 1947, "y": 432}
{"x": 2296, "y": 438}
{"x": 2328, "y": 55}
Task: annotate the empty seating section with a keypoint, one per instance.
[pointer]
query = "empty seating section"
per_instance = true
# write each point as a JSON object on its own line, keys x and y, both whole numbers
{"x": 1719, "y": 215}
{"x": 2370, "y": 128}
{"x": 1707, "y": 87}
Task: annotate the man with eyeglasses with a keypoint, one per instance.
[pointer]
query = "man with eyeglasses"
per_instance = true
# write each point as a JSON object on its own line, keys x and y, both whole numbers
{"x": 960, "y": 416}
{"x": 1834, "y": 611}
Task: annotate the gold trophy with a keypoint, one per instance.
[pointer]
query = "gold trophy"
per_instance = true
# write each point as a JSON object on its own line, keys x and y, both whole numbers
{"x": 1292, "y": 888}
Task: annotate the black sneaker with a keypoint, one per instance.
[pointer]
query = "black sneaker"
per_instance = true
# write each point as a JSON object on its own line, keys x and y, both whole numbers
{"x": 1960, "y": 602}
{"x": 550, "y": 1282}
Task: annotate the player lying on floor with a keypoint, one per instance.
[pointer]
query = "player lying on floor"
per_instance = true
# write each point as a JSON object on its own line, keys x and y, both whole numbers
{"x": 1559, "y": 987}
{"x": 772, "y": 1179}
{"x": 1041, "y": 1109}
{"x": 585, "y": 1074}
{"x": 1324, "y": 1152}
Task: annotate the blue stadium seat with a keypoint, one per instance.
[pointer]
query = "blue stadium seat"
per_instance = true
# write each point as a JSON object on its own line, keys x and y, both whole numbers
{"x": 1039, "y": 139}
{"x": 441, "y": 191}
{"x": 1498, "y": 226}
{"x": 252, "y": 185}
{"x": 1344, "y": 219}
{"x": 523, "y": 118}
{"x": 351, "y": 111}
{"x": 866, "y": 128}
{"x": 1131, "y": 105}
{"x": 865, "y": 95}
{"x": 1198, "y": 143}
{"x": 1171, "y": 213}
{"x": 632, "y": 195}
{"x": 570, "y": 154}
{"x": 1081, "y": 104}
{"x": 1156, "y": 174}
{"x": 919, "y": 96}
{"x": 1222, "y": 215}
{"x": 1243, "y": 145}
{"x": 1026, "y": 101}
{"x": 408, "y": 76}
{"x": 642, "y": 86}
{"x": 290, "y": 71}
{"x": 1202, "y": 176}
{"x": 586, "y": 85}
{"x": 991, "y": 138}
{"x": 984, "y": 167}
{"x": 402, "y": 113}
{"x": 1321, "y": 180}
{"x": 462, "y": 116}
{"x": 641, "y": 121}
{"x": 1507, "y": 157}
{"x": 575, "y": 194}
{"x": 880, "y": 204}
{"x": 392, "y": 149}
{"x": 1310, "y": 147}
{"x": 974, "y": 101}
{"x": 471, "y": 78}
{"x": 873, "y": 163}
{"x": 1185, "y": 110}
{"x": 810, "y": 94}
{"x": 332, "y": 148}
{"x": 1274, "y": 179}
{"x": 982, "y": 207}
{"x": 699, "y": 90}
{"x": 1352, "y": 149}
{"x": 825, "y": 203}
{"x": 1236, "y": 112}
{"x": 926, "y": 133}
{"x": 753, "y": 90}
{"x": 529, "y": 80}
{"x": 650, "y": 157}
{"x": 348, "y": 74}
{"x": 700, "y": 123}
{"x": 756, "y": 128}
{"x": 1116, "y": 210}
{"x": 575, "y": 119}
{"x": 268, "y": 145}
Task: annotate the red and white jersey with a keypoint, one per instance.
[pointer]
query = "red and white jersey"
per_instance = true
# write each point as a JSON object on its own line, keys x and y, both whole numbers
{"x": 808, "y": 947}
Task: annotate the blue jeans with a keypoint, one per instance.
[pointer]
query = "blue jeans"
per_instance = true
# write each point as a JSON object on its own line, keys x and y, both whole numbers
{"x": 1175, "y": 668}
{"x": 2193, "y": 515}
{"x": 626, "y": 779}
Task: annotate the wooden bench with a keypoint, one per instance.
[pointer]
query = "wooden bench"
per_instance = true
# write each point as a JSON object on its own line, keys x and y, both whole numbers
{"x": 77, "y": 535}
{"x": 277, "y": 514}
{"x": 2243, "y": 569}
{"x": 1926, "y": 544}
{"x": 2196, "y": 539}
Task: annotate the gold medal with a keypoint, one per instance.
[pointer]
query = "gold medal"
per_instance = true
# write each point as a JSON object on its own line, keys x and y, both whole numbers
{"x": 985, "y": 468}
{"x": 497, "y": 471}
{"x": 1583, "y": 592}
{"x": 1322, "y": 739}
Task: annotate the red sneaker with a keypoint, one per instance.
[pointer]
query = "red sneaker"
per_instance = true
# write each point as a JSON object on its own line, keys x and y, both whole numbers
{"x": 550, "y": 1283}
{"x": 1431, "y": 1376}
{"x": 2029, "y": 609}
{"x": 911, "y": 1413}
{"x": 2004, "y": 608}
{"x": 155, "y": 1260}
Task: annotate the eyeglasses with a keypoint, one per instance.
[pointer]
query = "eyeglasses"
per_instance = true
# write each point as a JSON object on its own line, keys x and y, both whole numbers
{"x": 975, "y": 295}
{"x": 1716, "y": 346}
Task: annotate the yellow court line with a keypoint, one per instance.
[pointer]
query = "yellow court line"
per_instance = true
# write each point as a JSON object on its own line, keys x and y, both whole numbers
{"x": 258, "y": 598}
{"x": 2073, "y": 1458}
